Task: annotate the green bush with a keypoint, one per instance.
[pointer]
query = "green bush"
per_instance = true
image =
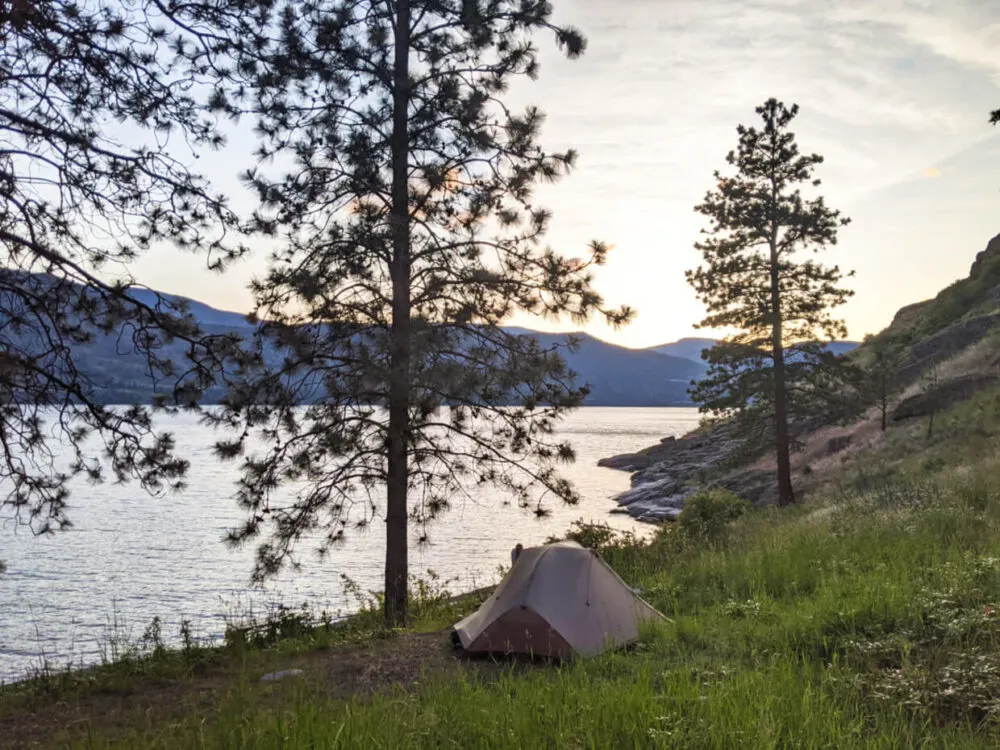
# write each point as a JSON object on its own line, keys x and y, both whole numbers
{"x": 597, "y": 536}
{"x": 708, "y": 513}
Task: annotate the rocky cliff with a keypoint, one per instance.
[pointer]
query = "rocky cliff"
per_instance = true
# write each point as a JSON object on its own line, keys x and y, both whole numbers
{"x": 985, "y": 257}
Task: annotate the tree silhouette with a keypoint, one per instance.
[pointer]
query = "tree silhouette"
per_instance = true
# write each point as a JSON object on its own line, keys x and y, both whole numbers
{"x": 409, "y": 234}
{"x": 95, "y": 106}
{"x": 878, "y": 377}
{"x": 752, "y": 282}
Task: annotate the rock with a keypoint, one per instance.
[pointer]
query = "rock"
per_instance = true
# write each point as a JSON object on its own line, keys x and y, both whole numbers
{"x": 945, "y": 394}
{"x": 653, "y": 513}
{"x": 907, "y": 314}
{"x": 671, "y": 438}
{"x": 992, "y": 251}
{"x": 837, "y": 444}
{"x": 282, "y": 675}
{"x": 624, "y": 462}
{"x": 649, "y": 490}
{"x": 654, "y": 505}
{"x": 758, "y": 486}
{"x": 946, "y": 344}
{"x": 647, "y": 456}
{"x": 673, "y": 470}
{"x": 659, "y": 515}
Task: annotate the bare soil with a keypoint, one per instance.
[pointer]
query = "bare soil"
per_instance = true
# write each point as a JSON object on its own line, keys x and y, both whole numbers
{"x": 150, "y": 702}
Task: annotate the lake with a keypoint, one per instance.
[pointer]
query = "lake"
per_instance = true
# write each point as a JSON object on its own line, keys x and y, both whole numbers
{"x": 130, "y": 556}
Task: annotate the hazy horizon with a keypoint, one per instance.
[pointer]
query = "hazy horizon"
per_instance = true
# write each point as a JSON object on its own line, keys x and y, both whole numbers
{"x": 896, "y": 99}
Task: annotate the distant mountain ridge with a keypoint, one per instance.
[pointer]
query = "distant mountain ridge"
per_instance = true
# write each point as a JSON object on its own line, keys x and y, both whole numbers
{"x": 203, "y": 313}
{"x": 691, "y": 348}
{"x": 687, "y": 348}
{"x": 616, "y": 375}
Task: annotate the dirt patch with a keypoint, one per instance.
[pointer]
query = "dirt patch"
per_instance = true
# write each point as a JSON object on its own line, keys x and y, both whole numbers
{"x": 396, "y": 662}
{"x": 145, "y": 703}
{"x": 815, "y": 453}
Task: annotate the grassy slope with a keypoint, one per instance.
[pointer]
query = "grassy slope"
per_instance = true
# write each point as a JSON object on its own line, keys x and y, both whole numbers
{"x": 868, "y": 617}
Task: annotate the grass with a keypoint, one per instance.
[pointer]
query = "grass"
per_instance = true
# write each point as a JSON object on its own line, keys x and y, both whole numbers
{"x": 868, "y": 617}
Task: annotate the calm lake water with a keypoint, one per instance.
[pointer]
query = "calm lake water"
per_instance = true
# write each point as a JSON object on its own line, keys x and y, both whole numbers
{"x": 131, "y": 557}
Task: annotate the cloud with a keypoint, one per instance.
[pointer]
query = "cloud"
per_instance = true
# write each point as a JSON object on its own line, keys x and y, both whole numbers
{"x": 653, "y": 105}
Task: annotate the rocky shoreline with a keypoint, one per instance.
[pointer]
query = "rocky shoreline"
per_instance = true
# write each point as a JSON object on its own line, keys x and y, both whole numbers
{"x": 666, "y": 474}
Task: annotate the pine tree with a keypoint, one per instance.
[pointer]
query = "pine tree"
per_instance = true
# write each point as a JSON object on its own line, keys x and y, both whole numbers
{"x": 95, "y": 105}
{"x": 408, "y": 235}
{"x": 878, "y": 376}
{"x": 751, "y": 281}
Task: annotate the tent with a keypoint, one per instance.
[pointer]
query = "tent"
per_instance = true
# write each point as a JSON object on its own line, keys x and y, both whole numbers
{"x": 557, "y": 600}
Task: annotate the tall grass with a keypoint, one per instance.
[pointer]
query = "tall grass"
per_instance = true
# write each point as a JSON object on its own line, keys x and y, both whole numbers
{"x": 606, "y": 703}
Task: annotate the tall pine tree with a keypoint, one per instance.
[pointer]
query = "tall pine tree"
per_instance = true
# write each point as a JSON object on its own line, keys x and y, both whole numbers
{"x": 753, "y": 282}
{"x": 408, "y": 235}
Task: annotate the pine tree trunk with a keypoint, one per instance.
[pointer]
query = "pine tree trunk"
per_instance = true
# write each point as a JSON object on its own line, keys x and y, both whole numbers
{"x": 396, "y": 553}
{"x": 781, "y": 441}
{"x": 884, "y": 398}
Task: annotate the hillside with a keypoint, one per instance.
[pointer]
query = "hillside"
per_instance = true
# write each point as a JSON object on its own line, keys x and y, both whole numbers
{"x": 959, "y": 317}
{"x": 977, "y": 294}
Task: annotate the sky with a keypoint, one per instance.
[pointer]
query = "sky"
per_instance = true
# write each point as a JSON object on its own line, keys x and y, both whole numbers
{"x": 895, "y": 94}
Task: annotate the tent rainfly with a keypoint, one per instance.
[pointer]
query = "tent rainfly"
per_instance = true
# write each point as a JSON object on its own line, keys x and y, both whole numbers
{"x": 558, "y": 600}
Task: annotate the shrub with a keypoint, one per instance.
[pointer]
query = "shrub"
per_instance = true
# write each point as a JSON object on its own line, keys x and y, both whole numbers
{"x": 708, "y": 513}
{"x": 597, "y": 536}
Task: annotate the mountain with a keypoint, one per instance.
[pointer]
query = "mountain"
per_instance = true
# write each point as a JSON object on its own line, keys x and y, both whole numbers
{"x": 691, "y": 348}
{"x": 617, "y": 376}
{"x": 688, "y": 348}
{"x": 204, "y": 314}
{"x": 842, "y": 347}
{"x": 626, "y": 377}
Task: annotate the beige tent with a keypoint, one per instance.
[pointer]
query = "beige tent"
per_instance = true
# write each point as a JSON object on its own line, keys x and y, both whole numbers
{"x": 557, "y": 600}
